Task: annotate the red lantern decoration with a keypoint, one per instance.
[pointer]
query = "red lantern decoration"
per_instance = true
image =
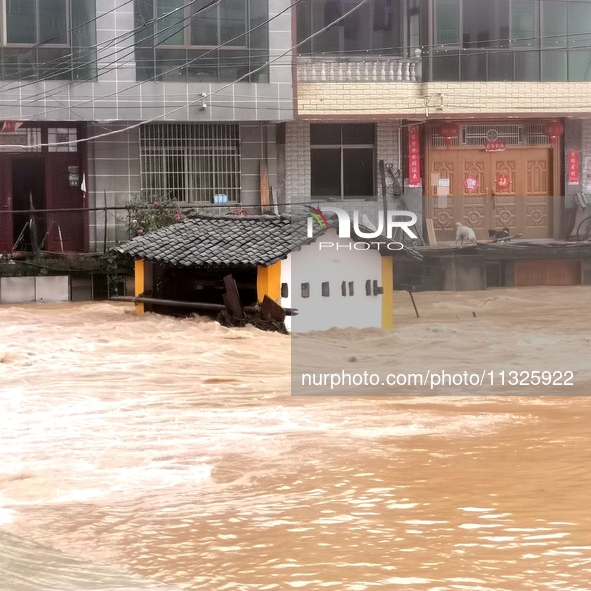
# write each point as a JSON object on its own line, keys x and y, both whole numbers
{"x": 553, "y": 130}
{"x": 448, "y": 131}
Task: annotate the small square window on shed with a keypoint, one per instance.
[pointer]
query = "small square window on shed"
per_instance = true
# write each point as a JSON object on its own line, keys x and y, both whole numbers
{"x": 325, "y": 289}
{"x": 284, "y": 290}
{"x": 305, "y": 290}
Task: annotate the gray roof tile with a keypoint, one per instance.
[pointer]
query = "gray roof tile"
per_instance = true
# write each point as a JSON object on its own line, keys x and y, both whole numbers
{"x": 205, "y": 241}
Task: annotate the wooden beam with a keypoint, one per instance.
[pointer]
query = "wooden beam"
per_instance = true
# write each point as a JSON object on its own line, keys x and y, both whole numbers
{"x": 264, "y": 183}
{"x": 431, "y": 232}
{"x": 204, "y": 306}
{"x": 232, "y": 298}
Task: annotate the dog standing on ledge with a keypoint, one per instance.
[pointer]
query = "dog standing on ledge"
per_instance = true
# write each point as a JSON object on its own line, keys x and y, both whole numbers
{"x": 464, "y": 234}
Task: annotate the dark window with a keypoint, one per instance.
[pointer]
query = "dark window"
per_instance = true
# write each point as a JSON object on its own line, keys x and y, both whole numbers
{"x": 344, "y": 288}
{"x": 375, "y": 27}
{"x": 48, "y": 39}
{"x": 325, "y": 289}
{"x": 521, "y": 40}
{"x": 351, "y": 286}
{"x": 447, "y": 22}
{"x": 327, "y": 134}
{"x": 342, "y": 158}
{"x": 284, "y": 290}
{"x": 305, "y": 290}
{"x": 200, "y": 40}
{"x": 377, "y": 290}
{"x": 368, "y": 287}
{"x": 358, "y": 172}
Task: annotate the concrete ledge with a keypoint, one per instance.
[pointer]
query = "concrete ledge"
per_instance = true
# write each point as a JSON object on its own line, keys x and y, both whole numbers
{"x": 17, "y": 290}
{"x": 52, "y": 289}
{"x": 20, "y": 290}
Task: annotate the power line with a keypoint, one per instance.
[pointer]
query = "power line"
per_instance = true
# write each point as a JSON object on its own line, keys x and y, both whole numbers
{"x": 249, "y": 73}
{"x": 90, "y": 100}
{"x": 484, "y": 53}
{"x": 68, "y": 32}
{"x": 453, "y": 51}
{"x": 158, "y": 117}
{"x": 127, "y": 34}
{"x": 185, "y": 64}
{"x": 122, "y": 37}
{"x": 328, "y": 55}
{"x": 93, "y": 99}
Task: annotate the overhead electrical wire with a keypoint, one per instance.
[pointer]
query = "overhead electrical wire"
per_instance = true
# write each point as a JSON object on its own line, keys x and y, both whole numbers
{"x": 158, "y": 117}
{"x": 91, "y": 100}
{"x": 47, "y": 96}
{"x": 185, "y": 64}
{"x": 68, "y": 33}
{"x": 450, "y": 48}
{"x": 122, "y": 37}
{"x": 106, "y": 44}
{"x": 488, "y": 52}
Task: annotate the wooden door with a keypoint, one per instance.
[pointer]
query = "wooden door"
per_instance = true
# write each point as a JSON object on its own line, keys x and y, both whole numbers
{"x": 536, "y": 211}
{"x": 66, "y": 229}
{"x": 506, "y": 207}
{"x": 444, "y": 165}
{"x": 475, "y": 203}
{"x": 513, "y": 190}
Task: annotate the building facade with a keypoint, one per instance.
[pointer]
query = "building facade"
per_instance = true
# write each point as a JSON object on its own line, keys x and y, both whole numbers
{"x": 104, "y": 102}
{"x": 497, "y": 93}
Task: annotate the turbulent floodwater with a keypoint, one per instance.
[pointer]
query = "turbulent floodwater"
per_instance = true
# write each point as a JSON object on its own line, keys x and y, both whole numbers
{"x": 157, "y": 453}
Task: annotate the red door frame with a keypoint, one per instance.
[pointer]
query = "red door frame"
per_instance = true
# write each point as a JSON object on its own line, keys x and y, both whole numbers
{"x": 6, "y": 237}
{"x": 52, "y": 200}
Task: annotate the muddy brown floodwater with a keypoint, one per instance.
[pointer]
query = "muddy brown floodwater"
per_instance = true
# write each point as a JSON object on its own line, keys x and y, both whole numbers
{"x": 146, "y": 452}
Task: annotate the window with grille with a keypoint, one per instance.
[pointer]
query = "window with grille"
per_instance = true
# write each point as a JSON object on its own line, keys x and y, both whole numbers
{"x": 477, "y": 135}
{"x": 190, "y": 162}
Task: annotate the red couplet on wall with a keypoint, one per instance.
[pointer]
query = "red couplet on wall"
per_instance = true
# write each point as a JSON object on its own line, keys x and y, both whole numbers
{"x": 573, "y": 167}
{"x": 414, "y": 157}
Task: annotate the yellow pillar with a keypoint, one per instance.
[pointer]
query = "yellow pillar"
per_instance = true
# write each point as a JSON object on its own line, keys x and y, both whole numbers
{"x": 139, "y": 284}
{"x": 269, "y": 282}
{"x": 388, "y": 295}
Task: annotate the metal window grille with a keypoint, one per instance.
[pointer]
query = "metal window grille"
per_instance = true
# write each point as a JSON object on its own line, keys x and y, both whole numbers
{"x": 438, "y": 141}
{"x": 534, "y": 135}
{"x": 190, "y": 162}
{"x": 478, "y": 135}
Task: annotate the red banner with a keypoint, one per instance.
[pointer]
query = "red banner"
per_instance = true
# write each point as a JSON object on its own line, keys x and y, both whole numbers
{"x": 414, "y": 157}
{"x": 495, "y": 146}
{"x": 10, "y": 126}
{"x": 572, "y": 159}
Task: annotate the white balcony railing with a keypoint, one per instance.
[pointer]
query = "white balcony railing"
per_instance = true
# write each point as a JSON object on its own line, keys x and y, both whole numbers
{"x": 324, "y": 68}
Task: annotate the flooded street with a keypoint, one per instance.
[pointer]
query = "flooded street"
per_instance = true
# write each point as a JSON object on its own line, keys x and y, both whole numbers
{"x": 147, "y": 452}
